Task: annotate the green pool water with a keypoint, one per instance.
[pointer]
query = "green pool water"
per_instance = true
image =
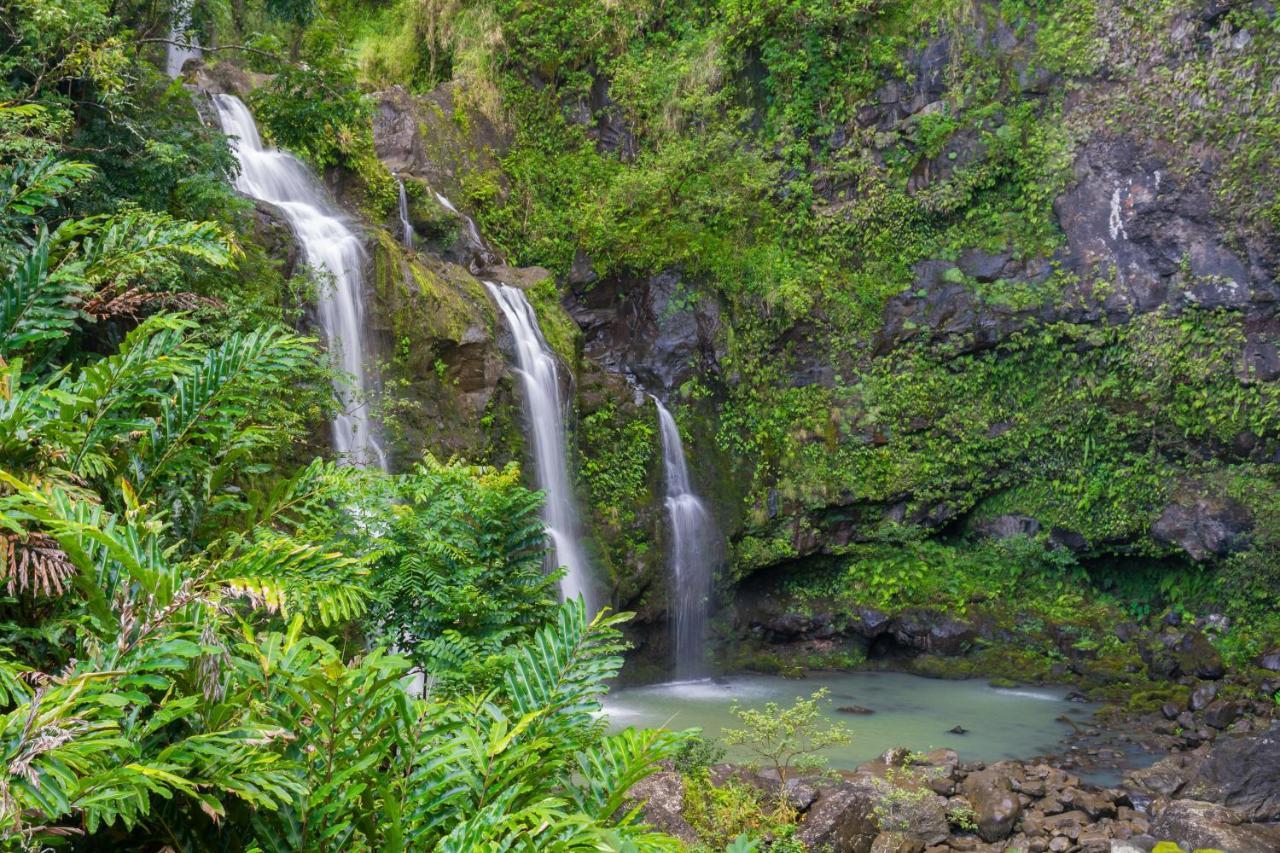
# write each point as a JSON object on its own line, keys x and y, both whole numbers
{"x": 909, "y": 711}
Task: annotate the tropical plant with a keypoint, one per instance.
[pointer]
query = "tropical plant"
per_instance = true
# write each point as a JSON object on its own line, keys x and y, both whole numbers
{"x": 787, "y": 738}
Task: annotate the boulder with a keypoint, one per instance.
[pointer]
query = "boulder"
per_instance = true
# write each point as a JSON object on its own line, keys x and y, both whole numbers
{"x": 994, "y": 801}
{"x": 1173, "y": 653}
{"x": 1222, "y": 713}
{"x": 933, "y": 633}
{"x": 1242, "y": 773}
{"x": 843, "y": 819}
{"x": 661, "y": 801}
{"x": 1269, "y": 660}
{"x": 1204, "y": 526}
{"x": 1197, "y": 825}
{"x": 1202, "y": 696}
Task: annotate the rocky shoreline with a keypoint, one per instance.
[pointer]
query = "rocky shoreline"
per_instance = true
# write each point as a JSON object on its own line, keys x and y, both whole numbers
{"x": 1223, "y": 794}
{"x": 1216, "y": 786}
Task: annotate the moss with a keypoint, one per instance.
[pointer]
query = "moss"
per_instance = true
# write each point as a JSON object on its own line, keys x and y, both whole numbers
{"x": 562, "y": 334}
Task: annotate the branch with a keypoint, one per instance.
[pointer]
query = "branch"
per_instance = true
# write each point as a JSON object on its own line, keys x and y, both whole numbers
{"x": 193, "y": 46}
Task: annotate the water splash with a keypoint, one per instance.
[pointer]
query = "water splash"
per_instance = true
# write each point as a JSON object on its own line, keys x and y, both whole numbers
{"x": 329, "y": 244}
{"x": 544, "y": 411}
{"x": 407, "y": 237}
{"x": 694, "y": 551}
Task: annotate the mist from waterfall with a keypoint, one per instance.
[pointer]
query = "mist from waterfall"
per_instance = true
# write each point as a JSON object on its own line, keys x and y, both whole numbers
{"x": 331, "y": 246}
{"x": 694, "y": 550}
{"x": 407, "y": 237}
{"x": 545, "y": 414}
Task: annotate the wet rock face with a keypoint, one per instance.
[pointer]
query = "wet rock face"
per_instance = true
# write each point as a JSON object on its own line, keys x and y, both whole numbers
{"x": 1204, "y": 526}
{"x": 655, "y": 330}
{"x": 1242, "y": 773}
{"x": 1138, "y": 239}
{"x": 1126, "y": 212}
{"x": 417, "y": 136}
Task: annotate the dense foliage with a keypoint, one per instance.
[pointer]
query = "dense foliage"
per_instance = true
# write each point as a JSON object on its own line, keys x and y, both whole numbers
{"x": 204, "y": 642}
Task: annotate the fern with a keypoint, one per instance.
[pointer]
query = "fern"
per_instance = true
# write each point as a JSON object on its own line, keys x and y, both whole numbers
{"x": 36, "y": 305}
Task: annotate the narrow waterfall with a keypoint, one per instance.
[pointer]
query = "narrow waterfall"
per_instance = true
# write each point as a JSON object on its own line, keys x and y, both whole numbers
{"x": 407, "y": 236}
{"x": 694, "y": 550}
{"x": 177, "y": 55}
{"x": 482, "y": 255}
{"x": 544, "y": 411}
{"x": 329, "y": 244}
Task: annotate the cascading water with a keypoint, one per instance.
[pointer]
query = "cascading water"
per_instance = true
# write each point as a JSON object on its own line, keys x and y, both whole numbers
{"x": 694, "y": 551}
{"x": 406, "y": 227}
{"x": 545, "y": 413}
{"x": 182, "y": 46}
{"x": 329, "y": 244}
{"x": 482, "y": 255}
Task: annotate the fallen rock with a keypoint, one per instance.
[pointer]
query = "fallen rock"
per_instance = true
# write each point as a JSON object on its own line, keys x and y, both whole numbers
{"x": 854, "y": 709}
{"x": 994, "y": 801}
{"x": 1196, "y": 825}
{"x": 843, "y": 819}
{"x": 1222, "y": 713}
{"x": 1269, "y": 660}
{"x": 1242, "y": 773}
{"x": 1202, "y": 696}
{"x": 661, "y": 800}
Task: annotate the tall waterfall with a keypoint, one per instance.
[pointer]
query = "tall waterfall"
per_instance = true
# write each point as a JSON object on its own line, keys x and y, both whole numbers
{"x": 329, "y": 244}
{"x": 177, "y": 56}
{"x": 694, "y": 551}
{"x": 545, "y": 413}
{"x": 406, "y": 227}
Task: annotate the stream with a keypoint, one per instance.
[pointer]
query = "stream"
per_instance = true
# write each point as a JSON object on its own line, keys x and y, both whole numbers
{"x": 908, "y": 711}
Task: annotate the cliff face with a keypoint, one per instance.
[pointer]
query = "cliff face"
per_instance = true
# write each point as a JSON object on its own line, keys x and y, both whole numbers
{"x": 1037, "y": 288}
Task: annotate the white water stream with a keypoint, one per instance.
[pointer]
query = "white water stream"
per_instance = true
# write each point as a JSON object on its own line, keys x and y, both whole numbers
{"x": 406, "y": 227}
{"x": 177, "y": 55}
{"x": 331, "y": 245}
{"x": 544, "y": 411}
{"x": 694, "y": 549}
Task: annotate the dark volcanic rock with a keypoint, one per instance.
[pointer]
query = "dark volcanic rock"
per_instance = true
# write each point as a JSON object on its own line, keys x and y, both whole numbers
{"x": 1201, "y": 697}
{"x": 1204, "y": 527}
{"x": 933, "y": 633}
{"x": 1126, "y": 212}
{"x": 843, "y": 819}
{"x": 1006, "y": 526}
{"x": 1222, "y": 713}
{"x": 661, "y": 801}
{"x": 1242, "y": 773}
{"x": 1199, "y": 825}
{"x": 1173, "y": 653}
{"x": 1269, "y": 660}
{"x": 652, "y": 329}
{"x": 997, "y": 806}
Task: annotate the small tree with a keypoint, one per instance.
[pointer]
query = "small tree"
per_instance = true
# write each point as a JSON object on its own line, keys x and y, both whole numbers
{"x": 787, "y": 737}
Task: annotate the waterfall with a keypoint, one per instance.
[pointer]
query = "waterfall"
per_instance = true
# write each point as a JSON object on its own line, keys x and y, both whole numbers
{"x": 329, "y": 244}
{"x": 177, "y": 56}
{"x": 406, "y": 227}
{"x": 482, "y": 255}
{"x": 545, "y": 414}
{"x": 694, "y": 550}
